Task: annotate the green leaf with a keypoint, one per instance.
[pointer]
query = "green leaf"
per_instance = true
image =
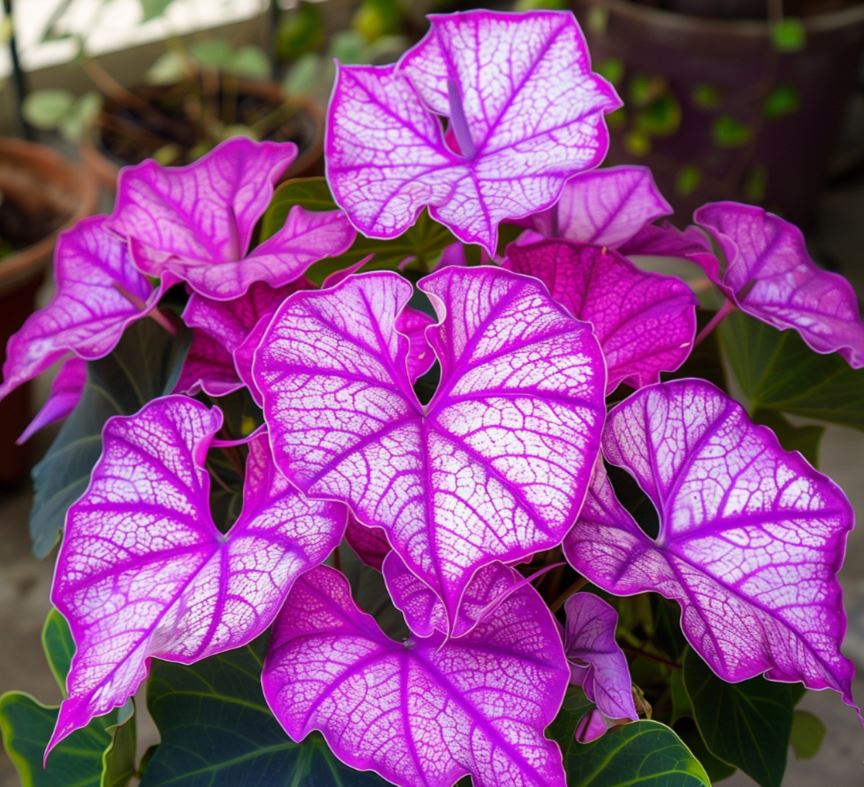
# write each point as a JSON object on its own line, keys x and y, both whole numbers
{"x": 303, "y": 74}
{"x": 745, "y": 724}
{"x": 46, "y": 109}
{"x": 250, "y": 62}
{"x": 170, "y": 67}
{"x": 151, "y": 9}
{"x": 212, "y": 53}
{"x": 216, "y": 730}
{"x": 783, "y": 100}
{"x": 706, "y": 96}
{"x": 302, "y": 32}
{"x": 646, "y": 753}
{"x": 682, "y": 706}
{"x": 789, "y": 35}
{"x": 727, "y": 132}
{"x": 422, "y": 243}
{"x": 688, "y": 179}
{"x": 777, "y": 371}
{"x": 808, "y": 732}
{"x": 81, "y": 117}
{"x": 144, "y": 365}
{"x": 611, "y": 68}
{"x": 805, "y": 439}
{"x": 717, "y": 770}
{"x": 102, "y": 754}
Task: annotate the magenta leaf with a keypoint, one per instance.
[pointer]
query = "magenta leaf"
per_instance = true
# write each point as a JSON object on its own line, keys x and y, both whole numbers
{"x": 143, "y": 571}
{"x": 195, "y": 223}
{"x": 769, "y": 275}
{"x": 422, "y": 609}
{"x": 597, "y": 664}
{"x": 605, "y": 207}
{"x": 493, "y": 468}
{"x": 220, "y": 328}
{"x": 751, "y": 536}
{"x": 427, "y": 711}
{"x": 525, "y": 111}
{"x": 66, "y": 389}
{"x": 645, "y": 322}
{"x": 99, "y": 293}
{"x": 369, "y": 543}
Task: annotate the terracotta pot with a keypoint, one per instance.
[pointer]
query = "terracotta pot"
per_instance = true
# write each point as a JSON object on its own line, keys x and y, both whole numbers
{"x": 40, "y": 178}
{"x": 308, "y": 162}
{"x": 783, "y": 159}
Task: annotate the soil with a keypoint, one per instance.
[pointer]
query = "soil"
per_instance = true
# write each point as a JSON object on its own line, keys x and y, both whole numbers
{"x": 23, "y": 223}
{"x": 748, "y": 9}
{"x": 156, "y": 119}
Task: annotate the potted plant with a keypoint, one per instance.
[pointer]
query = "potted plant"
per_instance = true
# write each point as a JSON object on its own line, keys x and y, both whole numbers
{"x": 723, "y": 94}
{"x": 419, "y": 472}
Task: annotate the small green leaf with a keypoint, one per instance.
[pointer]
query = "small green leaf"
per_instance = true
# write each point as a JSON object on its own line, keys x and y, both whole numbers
{"x": 348, "y": 47}
{"x": 644, "y": 753}
{"x": 58, "y": 646}
{"x": 145, "y": 364}
{"x": 706, "y": 96}
{"x": 46, "y": 109}
{"x": 151, "y": 9}
{"x": 611, "y": 68}
{"x": 250, "y": 62}
{"x": 302, "y": 32}
{"x": 637, "y": 143}
{"x": 727, "y": 132}
{"x": 169, "y": 67}
{"x": 777, "y": 371}
{"x": 81, "y": 117}
{"x": 645, "y": 89}
{"x": 688, "y": 179}
{"x": 745, "y": 724}
{"x": 211, "y": 53}
{"x": 216, "y": 729}
{"x": 756, "y": 183}
{"x": 783, "y": 100}
{"x": 661, "y": 118}
{"x": 808, "y": 732}
{"x": 301, "y": 77}
{"x": 789, "y": 35}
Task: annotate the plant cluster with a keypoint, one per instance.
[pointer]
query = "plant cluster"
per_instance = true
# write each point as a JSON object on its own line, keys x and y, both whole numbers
{"x": 411, "y": 470}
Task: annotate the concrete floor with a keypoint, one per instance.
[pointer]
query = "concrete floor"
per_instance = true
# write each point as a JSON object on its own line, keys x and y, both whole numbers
{"x": 25, "y": 581}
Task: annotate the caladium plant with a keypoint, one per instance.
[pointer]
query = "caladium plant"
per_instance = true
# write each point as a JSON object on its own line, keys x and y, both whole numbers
{"x": 466, "y": 508}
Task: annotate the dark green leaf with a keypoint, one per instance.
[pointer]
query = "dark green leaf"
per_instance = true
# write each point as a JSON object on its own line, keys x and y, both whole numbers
{"x": 789, "y": 35}
{"x": 216, "y": 729}
{"x": 145, "y": 364}
{"x": 808, "y": 732}
{"x": 783, "y": 100}
{"x": 777, "y": 371}
{"x": 727, "y": 132}
{"x": 805, "y": 439}
{"x": 717, "y": 770}
{"x": 102, "y": 754}
{"x": 745, "y": 724}
{"x": 682, "y": 707}
{"x": 646, "y": 753}
{"x": 563, "y": 729}
{"x": 309, "y": 193}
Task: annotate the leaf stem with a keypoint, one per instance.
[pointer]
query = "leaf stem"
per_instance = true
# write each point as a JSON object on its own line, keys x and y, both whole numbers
{"x": 722, "y": 313}
{"x": 154, "y": 314}
{"x": 653, "y": 656}
{"x": 572, "y": 590}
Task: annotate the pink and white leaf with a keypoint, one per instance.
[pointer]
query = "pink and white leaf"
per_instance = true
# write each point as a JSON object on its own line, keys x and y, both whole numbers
{"x": 428, "y": 711}
{"x": 524, "y": 108}
{"x": 99, "y": 293}
{"x": 369, "y": 543}
{"x": 645, "y": 322}
{"x": 66, "y": 389}
{"x": 495, "y": 467}
{"x": 769, "y": 275}
{"x": 604, "y": 207}
{"x": 751, "y": 536}
{"x": 143, "y": 571}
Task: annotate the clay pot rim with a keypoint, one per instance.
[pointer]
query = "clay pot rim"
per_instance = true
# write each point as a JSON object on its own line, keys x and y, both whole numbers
{"x": 30, "y": 261}
{"x": 673, "y": 22}
{"x": 107, "y": 169}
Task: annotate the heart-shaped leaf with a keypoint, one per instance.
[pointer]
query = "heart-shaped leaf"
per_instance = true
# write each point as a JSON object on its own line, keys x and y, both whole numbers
{"x": 493, "y": 468}
{"x": 216, "y": 730}
{"x": 646, "y": 753}
{"x": 99, "y": 293}
{"x": 143, "y": 571}
{"x": 769, "y": 275}
{"x": 428, "y": 711}
{"x": 645, "y": 322}
{"x": 195, "y": 223}
{"x": 145, "y": 364}
{"x": 520, "y": 129}
{"x": 747, "y": 724}
{"x": 750, "y": 542}
{"x": 604, "y": 207}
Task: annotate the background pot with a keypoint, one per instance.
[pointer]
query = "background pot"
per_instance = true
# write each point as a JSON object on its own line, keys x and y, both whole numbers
{"x": 40, "y": 180}
{"x": 308, "y": 162}
{"x": 725, "y": 109}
